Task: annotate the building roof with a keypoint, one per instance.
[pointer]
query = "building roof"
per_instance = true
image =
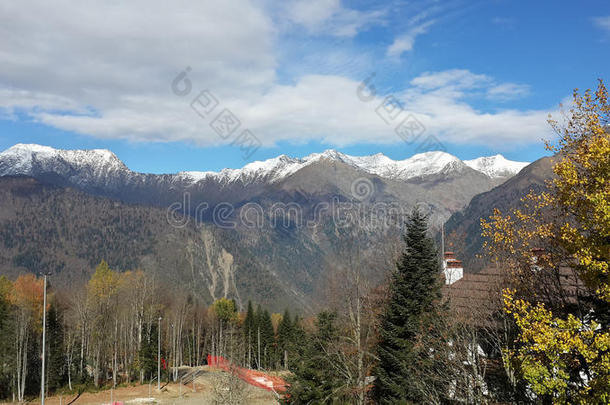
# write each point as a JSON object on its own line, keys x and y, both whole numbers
{"x": 477, "y": 293}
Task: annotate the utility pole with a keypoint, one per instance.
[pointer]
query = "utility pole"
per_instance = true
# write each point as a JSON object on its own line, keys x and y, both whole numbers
{"x": 44, "y": 330}
{"x": 159, "y": 357}
{"x": 442, "y": 241}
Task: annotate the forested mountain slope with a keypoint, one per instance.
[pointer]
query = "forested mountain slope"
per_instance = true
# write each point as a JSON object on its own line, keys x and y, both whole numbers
{"x": 463, "y": 230}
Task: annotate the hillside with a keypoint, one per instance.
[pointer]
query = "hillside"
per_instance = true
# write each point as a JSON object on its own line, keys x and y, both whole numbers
{"x": 66, "y": 232}
{"x": 462, "y": 229}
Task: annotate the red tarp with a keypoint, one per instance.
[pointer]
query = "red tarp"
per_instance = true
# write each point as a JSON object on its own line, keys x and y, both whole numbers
{"x": 252, "y": 377}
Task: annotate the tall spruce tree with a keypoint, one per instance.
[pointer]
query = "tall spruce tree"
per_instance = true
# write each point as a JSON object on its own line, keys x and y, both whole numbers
{"x": 56, "y": 369}
{"x": 267, "y": 340}
{"x": 285, "y": 338}
{"x": 250, "y": 335}
{"x": 414, "y": 292}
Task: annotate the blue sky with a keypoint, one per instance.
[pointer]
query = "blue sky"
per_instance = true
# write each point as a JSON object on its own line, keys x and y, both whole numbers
{"x": 478, "y": 77}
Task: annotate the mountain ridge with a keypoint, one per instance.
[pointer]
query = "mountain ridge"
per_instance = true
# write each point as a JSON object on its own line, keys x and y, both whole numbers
{"x": 23, "y": 157}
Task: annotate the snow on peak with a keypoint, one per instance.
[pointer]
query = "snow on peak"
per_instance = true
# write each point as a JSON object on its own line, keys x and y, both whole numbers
{"x": 195, "y": 176}
{"x": 21, "y": 159}
{"x": 30, "y": 148}
{"x": 275, "y": 169}
{"x": 270, "y": 170}
{"x": 25, "y": 159}
{"x": 496, "y": 166}
{"x": 422, "y": 164}
{"x": 418, "y": 165}
{"x": 429, "y": 163}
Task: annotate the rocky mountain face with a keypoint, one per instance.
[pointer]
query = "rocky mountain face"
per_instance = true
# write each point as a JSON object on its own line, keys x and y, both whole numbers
{"x": 463, "y": 230}
{"x": 272, "y": 231}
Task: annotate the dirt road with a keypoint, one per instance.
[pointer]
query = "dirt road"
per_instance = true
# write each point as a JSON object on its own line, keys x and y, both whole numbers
{"x": 212, "y": 386}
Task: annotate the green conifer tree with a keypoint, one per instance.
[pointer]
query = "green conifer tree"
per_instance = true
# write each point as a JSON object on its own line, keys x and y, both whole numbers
{"x": 250, "y": 336}
{"x": 414, "y": 292}
{"x": 56, "y": 376}
{"x": 285, "y": 338}
{"x": 267, "y": 340}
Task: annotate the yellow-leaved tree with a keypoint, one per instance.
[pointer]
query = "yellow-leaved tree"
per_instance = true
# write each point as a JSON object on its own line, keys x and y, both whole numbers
{"x": 102, "y": 299}
{"x": 557, "y": 247}
{"x": 26, "y": 295}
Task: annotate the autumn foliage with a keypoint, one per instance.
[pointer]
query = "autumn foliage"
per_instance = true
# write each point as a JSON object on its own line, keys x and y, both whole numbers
{"x": 27, "y": 295}
{"x": 563, "y": 346}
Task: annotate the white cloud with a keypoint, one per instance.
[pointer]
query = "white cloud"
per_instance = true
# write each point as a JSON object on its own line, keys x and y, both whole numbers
{"x": 94, "y": 51}
{"x": 455, "y": 81}
{"x": 105, "y": 71}
{"x": 602, "y": 22}
{"x": 406, "y": 41}
{"x": 450, "y": 79}
{"x": 458, "y": 122}
{"x": 324, "y": 108}
{"x": 16, "y": 99}
{"x": 313, "y": 13}
{"x": 508, "y": 91}
{"x": 329, "y": 17}
{"x": 439, "y": 99}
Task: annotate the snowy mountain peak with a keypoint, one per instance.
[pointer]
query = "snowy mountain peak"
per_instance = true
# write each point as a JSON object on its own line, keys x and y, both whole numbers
{"x": 496, "y": 166}
{"x": 422, "y": 164}
{"x": 101, "y": 165}
{"x": 28, "y": 159}
{"x": 332, "y": 154}
{"x": 27, "y": 150}
{"x": 30, "y": 148}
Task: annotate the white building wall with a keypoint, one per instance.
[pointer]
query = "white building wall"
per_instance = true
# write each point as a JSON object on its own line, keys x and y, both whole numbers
{"x": 452, "y": 274}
